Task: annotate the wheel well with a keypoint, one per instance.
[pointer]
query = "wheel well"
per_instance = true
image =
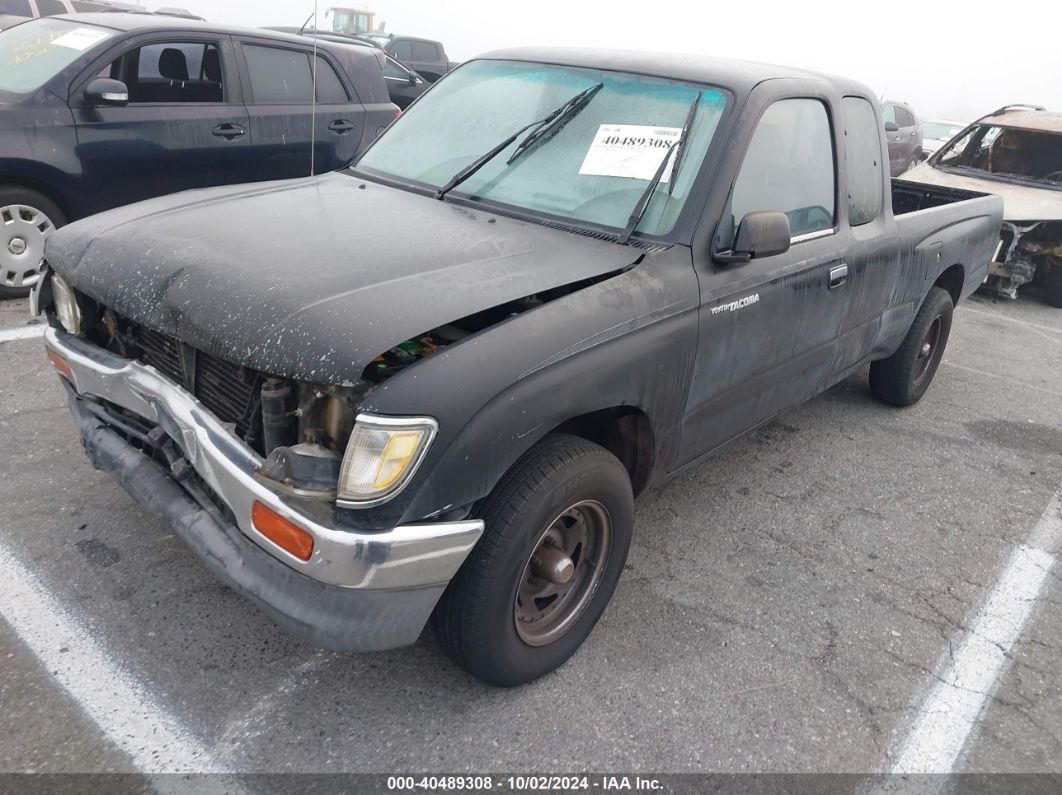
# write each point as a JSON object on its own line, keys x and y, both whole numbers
{"x": 43, "y": 188}
{"x": 952, "y": 280}
{"x": 626, "y": 432}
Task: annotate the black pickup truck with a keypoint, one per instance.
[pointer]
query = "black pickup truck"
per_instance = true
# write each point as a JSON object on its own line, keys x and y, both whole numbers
{"x": 433, "y": 384}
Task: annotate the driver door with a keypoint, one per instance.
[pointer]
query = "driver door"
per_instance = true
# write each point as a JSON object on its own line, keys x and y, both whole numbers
{"x": 769, "y": 327}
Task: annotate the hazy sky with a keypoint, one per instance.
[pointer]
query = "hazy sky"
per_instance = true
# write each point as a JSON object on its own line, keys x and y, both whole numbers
{"x": 950, "y": 59}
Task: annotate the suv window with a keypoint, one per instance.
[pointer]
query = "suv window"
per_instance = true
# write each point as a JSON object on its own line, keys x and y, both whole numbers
{"x": 18, "y": 8}
{"x": 402, "y": 50}
{"x": 171, "y": 72}
{"x": 904, "y": 117}
{"x": 329, "y": 87}
{"x": 425, "y": 51}
{"x": 279, "y": 77}
{"x": 789, "y": 167}
{"x": 393, "y": 71}
{"x": 888, "y": 113}
{"x": 50, "y": 8}
{"x": 863, "y": 154}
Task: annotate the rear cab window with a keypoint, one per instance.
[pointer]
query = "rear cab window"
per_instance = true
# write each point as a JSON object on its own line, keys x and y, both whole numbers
{"x": 863, "y": 155}
{"x": 789, "y": 168}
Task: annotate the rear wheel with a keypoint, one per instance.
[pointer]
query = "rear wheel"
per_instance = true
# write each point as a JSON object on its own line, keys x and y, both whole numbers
{"x": 904, "y": 377}
{"x": 558, "y": 528}
{"x": 27, "y": 219}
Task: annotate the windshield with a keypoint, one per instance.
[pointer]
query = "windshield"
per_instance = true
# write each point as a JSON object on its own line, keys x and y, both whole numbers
{"x": 34, "y": 52}
{"x": 592, "y": 170}
{"x": 1007, "y": 153}
{"x": 940, "y": 130}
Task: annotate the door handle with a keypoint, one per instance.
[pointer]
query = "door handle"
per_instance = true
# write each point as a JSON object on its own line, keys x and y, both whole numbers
{"x": 230, "y": 132}
{"x": 341, "y": 126}
{"x": 838, "y": 276}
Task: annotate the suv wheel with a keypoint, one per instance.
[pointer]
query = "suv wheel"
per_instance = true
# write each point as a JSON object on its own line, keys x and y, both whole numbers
{"x": 27, "y": 219}
{"x": 558, "y": 527}
{"x": 904, "y": 377}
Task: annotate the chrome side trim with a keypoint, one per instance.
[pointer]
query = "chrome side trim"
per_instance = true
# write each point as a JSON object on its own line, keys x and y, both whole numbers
{"x": 403, "y": 557}
{"x": 812, "y": 235}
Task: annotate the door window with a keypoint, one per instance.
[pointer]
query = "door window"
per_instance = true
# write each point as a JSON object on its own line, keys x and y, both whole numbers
{"x": 904, "y": 117}
{"x": 863, "y": 155}
{"x": 789, "y": 168}
{"x": 392, "y": 71}
{"x": 425, "y": 51}
{"x": 402, "y": 50}
{"x": 889, "y": 114}
{"x": 170, "y": 72}
{"x": 18, "y": 8}
{"x": 329, "y": 87}
{"x": 50, "y": 8}
{"x": 279, "y": 77}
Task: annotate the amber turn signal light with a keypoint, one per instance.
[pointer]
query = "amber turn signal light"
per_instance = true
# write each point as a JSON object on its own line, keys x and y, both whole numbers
{"x": 284, "y": 533}
{"x": 61, "y": 365}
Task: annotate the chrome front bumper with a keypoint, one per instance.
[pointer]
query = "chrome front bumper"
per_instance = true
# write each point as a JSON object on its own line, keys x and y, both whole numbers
{"x": 417, "y": 557}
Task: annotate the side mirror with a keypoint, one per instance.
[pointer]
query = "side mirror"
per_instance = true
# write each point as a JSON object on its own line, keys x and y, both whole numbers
{"x": 891, "y": 126}
{"x": 104, "y": 91}
{"x": 760, "y": 234}
{"x": 412, "y": 80}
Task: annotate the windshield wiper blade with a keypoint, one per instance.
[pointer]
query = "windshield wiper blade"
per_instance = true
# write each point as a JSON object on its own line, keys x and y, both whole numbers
{"x": 555, "y": 122}
{"x": 643, "y": 201}
{"x": 481, "y": 161}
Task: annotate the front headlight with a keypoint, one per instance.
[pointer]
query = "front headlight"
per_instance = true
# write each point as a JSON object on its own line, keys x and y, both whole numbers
{"x": 66, "y": 305}
{"x": 381, "y": 457}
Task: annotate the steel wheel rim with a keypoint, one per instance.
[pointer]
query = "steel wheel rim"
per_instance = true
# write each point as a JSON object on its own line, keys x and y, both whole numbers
{"x": 23, "y": 230}
{"x": 929, "y": 347}
{"x": 543, "y": 610}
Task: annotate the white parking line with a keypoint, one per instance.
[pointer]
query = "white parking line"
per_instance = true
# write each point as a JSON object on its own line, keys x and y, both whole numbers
{"x": 110, "y": 694}
{"x": 969, "y": 673}
{"x": 22, "y": 333}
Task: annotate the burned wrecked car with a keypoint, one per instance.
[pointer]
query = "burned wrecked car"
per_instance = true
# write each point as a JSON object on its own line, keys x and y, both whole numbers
{"x": 1015, "y": 152}
{"x": 431, "y": 385}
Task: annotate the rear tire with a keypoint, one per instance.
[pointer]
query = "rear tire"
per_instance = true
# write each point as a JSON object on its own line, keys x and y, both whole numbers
{"x": 1053, "y": 285}
{"x": 505, "y": 618}
{"x": 904, "y": 377}
{"x": 27, "y": 219}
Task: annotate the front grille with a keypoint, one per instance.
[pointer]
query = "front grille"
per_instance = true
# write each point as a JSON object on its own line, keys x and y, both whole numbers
{"x": 230, "y": 391}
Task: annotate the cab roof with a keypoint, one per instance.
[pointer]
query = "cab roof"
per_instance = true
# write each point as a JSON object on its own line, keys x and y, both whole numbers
{"x": 725, "y": 72}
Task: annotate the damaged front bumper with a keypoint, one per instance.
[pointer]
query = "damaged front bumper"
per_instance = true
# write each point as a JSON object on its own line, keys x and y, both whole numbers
{"x": 359, "y": 591}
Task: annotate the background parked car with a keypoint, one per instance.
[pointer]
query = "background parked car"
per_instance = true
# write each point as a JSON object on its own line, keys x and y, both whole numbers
{"x": 425, "y": 56}
{"x": 1015, "y": 152}
{"x": 937, "y": 132}
{"x": 403, "y": 84}
{"x": 129, "y": 106}
{"x": 903, "y": 135}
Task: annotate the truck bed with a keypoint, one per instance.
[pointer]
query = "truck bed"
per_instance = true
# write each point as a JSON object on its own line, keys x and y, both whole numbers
{"x": 908, "y": 197}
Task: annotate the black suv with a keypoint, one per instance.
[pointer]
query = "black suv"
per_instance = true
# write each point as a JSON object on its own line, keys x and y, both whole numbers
{"x": 124, "y": 107}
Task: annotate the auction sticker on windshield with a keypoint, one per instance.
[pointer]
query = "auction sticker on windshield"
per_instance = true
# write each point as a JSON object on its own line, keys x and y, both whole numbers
{"x": 629, "y": 150}
{"x": 80, "y": 39}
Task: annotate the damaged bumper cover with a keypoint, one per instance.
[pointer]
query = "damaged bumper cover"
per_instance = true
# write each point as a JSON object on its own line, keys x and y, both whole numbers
{"x": 359, "y": 591}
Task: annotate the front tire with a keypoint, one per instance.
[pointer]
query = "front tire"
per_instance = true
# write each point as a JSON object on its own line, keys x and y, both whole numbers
{"x": 904, "y": 377}
{"x": 27, "y": 219}
{"x": 558, "y": 527}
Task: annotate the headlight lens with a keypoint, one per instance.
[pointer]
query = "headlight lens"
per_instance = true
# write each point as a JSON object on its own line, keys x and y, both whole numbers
{"x": 381, "y": 457}
{"x": 66, "y": 305}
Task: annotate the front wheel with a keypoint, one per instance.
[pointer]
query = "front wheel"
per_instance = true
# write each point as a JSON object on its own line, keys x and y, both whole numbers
{"x": 558, "y": 527}
{"x": 904, "y": 377}
{"x": 27, "y": 219}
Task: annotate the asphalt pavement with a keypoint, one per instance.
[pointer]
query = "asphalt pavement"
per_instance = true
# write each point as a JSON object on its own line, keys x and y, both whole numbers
{"x": 799, "y": 602}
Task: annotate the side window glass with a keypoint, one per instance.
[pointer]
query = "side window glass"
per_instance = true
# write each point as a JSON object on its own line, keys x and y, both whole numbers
{"x": 393, "y": 71}
{"x": 329, "y": 87}
{"x": 49, "y": 8}
{"x": 18, "y": 8}
{"x": 402, "y": 50}
{"x": 789, "y": 167}
{"x": 279, "y": 77}
{"x": 904, "y": 118}
{"x": 173, "y": 72}
{"x": 863, "y": 154}
{"x": 425, "y": 51}
{"x": 889, "y": 114}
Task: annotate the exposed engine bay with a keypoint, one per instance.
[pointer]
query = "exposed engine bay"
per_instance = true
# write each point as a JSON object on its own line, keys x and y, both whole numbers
{"x": 1029, "y": 253}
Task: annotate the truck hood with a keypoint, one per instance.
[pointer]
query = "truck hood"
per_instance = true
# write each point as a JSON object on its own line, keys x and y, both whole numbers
{"x": 314, "y": 278}
{"x": 1020, "y": 202}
